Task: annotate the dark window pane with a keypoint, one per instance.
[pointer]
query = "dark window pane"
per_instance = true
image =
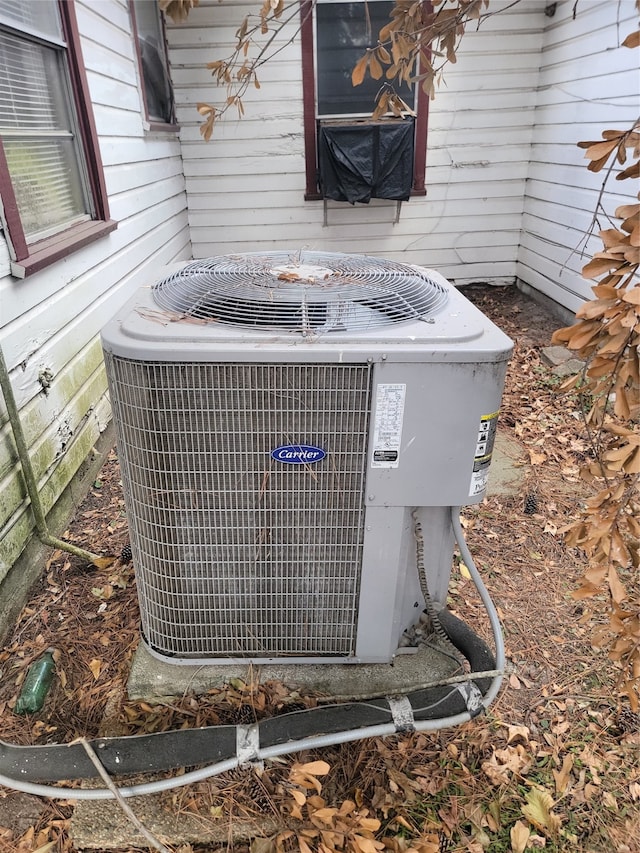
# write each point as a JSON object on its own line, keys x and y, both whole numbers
{"x": 153, "y": 59}
{"x": 343, "y": 32}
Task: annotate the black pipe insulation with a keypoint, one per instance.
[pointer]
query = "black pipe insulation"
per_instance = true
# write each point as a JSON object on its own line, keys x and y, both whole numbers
{"x": 163, "y": 751}
{"x": 466, "y": 641}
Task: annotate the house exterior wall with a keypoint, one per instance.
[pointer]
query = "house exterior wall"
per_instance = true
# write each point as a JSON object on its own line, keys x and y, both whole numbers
{"x": 50, "y": 321}
{"x": 587, "y": 84}
{"x": 246, "y": 186}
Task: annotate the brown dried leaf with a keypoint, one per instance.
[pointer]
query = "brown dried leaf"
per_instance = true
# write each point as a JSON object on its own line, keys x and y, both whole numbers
{"x": 358, "y": 73}
{"x": 103, "y": 562}
{"x": 519, "y": 835}
{"x": 382, "y": 106}
{"x": 632, "y": 171}
{"x": 632, "y": 295}
{"x": 375, "y": 69}
{"x": 517, "y": 733}
{"x": 242, "y": 29}
{"x": 582, "y": 334}
{"x": 178, "y": 10}
{"x": 632, "y": 466}
{"x": 632, "y": 40}
{"x": 383, "y": 54}
{"x": 561, "y": 776}
{"x": 615, "y": 344}
{"x": 598, "y": 150}
{"x": 304, "y": 847}
{"x": 504, "y": 762}
{"x": 616, "y": 587}
{"x": 314, "y": 768}
{"x": 367, "y": 845}
{"x": 598, "y": 266}
{"x": 627, "y": 210}
{"x": 95, "y": 666}
{"x": 611, "y": 236}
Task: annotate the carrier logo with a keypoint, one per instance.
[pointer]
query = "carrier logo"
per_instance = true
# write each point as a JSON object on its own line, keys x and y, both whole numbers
{"x": 298, "y": 454}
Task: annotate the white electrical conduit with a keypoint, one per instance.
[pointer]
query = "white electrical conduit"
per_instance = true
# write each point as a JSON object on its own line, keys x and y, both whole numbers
{"x": 248, "y": 747}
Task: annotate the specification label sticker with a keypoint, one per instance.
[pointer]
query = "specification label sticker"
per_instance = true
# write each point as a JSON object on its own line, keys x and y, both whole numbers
{"x": 387, "y": 431}
{"x": 484, "y": 449}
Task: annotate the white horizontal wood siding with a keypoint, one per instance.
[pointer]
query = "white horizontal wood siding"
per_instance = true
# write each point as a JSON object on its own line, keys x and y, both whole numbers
{"x": 51, "y": 320}
{"x": 587, "y": 84}
{"x": 246, "y": 186}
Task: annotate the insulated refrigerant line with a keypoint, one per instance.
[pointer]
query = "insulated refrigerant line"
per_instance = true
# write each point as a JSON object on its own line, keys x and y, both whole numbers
{"x": 475, "y": 701}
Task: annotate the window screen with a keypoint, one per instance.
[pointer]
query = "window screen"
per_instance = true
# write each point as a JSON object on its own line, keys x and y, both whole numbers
{"x": 343, "y": 32}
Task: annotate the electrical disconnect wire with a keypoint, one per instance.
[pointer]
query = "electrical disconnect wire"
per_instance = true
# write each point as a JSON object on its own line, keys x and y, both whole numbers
{"x": 248, "y": 747}
{"x": 430, "y": 610}
{"x": 489, "y": 606}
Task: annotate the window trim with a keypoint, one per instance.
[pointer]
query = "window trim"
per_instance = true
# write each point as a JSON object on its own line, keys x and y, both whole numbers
{"x": 28, "y": 259}
{"x": 152, "y": 124}
{"x": 310, "y": 122}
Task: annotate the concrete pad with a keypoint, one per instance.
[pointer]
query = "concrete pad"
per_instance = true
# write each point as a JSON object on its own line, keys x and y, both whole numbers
{"x": 151, "y": 678}
{"x": 508, "y": 466}
{"x": 568, "y": 368}
{"x": 562, "y": 361}
{"x": 555, "y": 355}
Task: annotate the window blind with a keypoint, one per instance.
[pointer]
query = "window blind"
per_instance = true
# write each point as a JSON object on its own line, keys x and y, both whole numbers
{"x": 38, "y": 136}
{"x": 36, "y": 17}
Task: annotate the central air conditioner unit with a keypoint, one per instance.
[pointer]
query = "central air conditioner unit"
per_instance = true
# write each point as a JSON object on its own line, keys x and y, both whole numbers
{"x": 283, "y": 421}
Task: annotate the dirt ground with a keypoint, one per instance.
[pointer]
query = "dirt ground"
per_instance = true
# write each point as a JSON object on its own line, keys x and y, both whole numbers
{"x": 555, "y": 765}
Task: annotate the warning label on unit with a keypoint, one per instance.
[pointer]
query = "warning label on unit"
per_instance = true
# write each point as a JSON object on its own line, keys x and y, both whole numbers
{"x": 387, "y": 429}
{"x": 484, "y": 449}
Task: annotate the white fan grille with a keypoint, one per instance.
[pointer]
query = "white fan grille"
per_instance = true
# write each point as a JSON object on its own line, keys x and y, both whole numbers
{"x": 237, "y": 554}
{"x": 303, "y": 292}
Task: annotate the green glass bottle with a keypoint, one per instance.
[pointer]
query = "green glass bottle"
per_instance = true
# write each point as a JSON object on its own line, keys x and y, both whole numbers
{"x": 36, "y": 684}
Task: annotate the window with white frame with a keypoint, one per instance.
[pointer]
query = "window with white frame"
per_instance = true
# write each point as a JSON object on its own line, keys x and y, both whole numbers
{"x": 153, "y": 62}
{"x": 51, "y": 182}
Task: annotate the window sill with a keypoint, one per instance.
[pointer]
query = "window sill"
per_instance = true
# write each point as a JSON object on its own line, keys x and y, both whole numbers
{"x": 416, "y": 192}
{"x": 46, "y": 252}
{"x": 160, "y": 127}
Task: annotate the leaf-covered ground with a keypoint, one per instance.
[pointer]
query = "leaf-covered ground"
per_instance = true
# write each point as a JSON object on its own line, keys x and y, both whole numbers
{"x": 555, "y": 765}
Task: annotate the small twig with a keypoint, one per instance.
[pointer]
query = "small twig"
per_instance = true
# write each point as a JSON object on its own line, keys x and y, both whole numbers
{"x": 126, "y": 808}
